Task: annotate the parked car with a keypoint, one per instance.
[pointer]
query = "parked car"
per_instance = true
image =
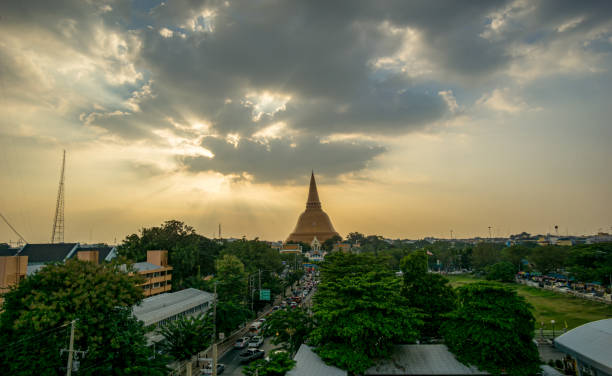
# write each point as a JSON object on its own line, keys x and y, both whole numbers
{"x": 251, "y": 354}
{"x": 256, "y": 342}
{"x": 275, "y": 308}
{"x": 208, "y": 369}
{"x": 262, "y": 320}
{"x": 293, "y": 305}
{"x": 242, "y": 342}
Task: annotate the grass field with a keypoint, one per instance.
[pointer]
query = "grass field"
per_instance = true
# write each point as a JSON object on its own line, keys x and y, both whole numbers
{"x": 550, "y": 305}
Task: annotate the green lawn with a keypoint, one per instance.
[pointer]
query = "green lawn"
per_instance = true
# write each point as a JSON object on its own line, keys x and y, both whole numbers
{"x": 550, "y": 305}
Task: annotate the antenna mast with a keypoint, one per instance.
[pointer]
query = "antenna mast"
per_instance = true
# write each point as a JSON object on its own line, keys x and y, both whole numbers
{"x": 57, "y": 236}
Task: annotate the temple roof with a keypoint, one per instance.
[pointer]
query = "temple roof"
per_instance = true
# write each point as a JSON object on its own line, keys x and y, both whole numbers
{"x": 313, "y": 222}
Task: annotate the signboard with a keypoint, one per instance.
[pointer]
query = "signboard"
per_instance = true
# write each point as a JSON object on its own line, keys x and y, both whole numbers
{"x": 264, "y": 294}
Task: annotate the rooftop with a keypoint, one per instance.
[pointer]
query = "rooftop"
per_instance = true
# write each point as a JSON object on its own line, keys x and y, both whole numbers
{"x": 48, "y": 252}
{"x": 145, "y": 266}
{"x": 589, "y": 343}
{"x": 310, "y": 364}
{"x": 159, "y": 307}
{"x": 422, "y": 360}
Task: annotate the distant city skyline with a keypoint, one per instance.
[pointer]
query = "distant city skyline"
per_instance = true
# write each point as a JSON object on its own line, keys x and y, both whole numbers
{"x": 417, "y": 117}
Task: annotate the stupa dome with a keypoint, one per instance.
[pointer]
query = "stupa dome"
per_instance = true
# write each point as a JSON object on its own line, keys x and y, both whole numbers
{"x": 313, "y": 221}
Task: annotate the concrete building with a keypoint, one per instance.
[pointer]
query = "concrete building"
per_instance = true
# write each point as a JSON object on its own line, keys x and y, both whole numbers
{"x": 291, "y": 248}
{"x": 310, "y": 364}
{"x": 156, "y": 272}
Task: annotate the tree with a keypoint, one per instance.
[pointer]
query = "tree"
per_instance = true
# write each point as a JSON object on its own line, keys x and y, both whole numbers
{"x": 34, "y": 323}
{"x": 501, "y": 272}
{"x": 329, "y": 244}
{"x": 231, "y": 315}
{"x": 413, "y": 266}
{"x": 338, "y": 265}
{"x": 355, "y": 238}
{"x": 289, "y": 327}
{"x": 515, "y": 254}
{"x": 548, "y": 258}
{"x": 187, "y": 336}
{"x": 191, "y": 255}
{"x": 278, "y": 364}
{"x": 591, "y": 262}
{"x": 492, "y": 328}
{"x": 231, "y": 279}
{"x": 360, "y": 316}
{"x": 432, "y": 295}
{"x": 485, "y": 254}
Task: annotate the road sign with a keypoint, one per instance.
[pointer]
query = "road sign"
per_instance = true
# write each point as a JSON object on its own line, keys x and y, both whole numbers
{"x": 264, "y": 294}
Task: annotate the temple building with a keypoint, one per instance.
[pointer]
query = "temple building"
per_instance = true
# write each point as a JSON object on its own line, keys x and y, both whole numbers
{"x": 313, "y": 223}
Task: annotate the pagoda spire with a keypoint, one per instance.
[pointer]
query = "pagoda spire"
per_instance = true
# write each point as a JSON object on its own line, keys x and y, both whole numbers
{"x": 313, "y": 196}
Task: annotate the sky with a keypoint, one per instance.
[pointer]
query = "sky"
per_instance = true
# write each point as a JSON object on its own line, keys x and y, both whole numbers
{"x": 418, "y": 117}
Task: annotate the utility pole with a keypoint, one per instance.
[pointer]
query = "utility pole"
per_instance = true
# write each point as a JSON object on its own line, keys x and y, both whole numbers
{"x": 259, "y": 279}
{"x": 490, "y": 238}
{"x": 71, "y": 349}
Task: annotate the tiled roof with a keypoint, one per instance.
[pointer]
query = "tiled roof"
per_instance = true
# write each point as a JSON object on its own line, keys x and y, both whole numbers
{"x": 44, "y": 253}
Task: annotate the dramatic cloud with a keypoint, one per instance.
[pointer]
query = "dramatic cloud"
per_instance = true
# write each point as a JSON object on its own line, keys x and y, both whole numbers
{"x": 271, "y": 79}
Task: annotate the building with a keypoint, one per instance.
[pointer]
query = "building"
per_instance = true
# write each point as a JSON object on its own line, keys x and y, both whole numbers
{"x": 591, "y": 346}
{"x": 291, "y": 248}
{"x": 161, "y": 309}
{"x": 156, "y": 272}
{"x": 313, "y": 221}
{"x": 12, "y": 271}
{"x": 342, "y": 247}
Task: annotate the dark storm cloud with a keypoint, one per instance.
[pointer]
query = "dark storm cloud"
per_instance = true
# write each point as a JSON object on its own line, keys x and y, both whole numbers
{"x": 279, "y": 161}
{"x": 320, "y": 53}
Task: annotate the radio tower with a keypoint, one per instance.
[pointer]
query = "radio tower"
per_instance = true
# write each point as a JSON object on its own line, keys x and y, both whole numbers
{"x": 57, "y": 236}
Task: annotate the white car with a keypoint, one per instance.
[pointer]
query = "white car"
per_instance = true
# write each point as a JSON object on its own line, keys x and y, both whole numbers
{"x": 256, "y": 342}
{"x": 241, "y": 343}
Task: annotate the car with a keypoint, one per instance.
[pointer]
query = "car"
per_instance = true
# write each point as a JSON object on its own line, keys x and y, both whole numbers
{"x": 275, "y": 308}
{"x": 250, "y": 355}
{"x": 262, "y": 320}
{"x": 293, "y": 305}
{"x": 208, "y": 369}
{"x": 242, "y": 342}
{"x": 256, "y": 342}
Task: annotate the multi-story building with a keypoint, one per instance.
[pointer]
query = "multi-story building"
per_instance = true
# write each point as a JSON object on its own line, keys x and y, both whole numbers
{"x": 156, "y": 271}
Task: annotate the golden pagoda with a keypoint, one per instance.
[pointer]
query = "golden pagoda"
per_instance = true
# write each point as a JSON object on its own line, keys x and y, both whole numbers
{"x": 313, "y": 222}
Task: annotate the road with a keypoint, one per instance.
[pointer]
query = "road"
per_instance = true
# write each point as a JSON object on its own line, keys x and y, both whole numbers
{"x": 232, "y": 361}
{"x": 231, "y": 358}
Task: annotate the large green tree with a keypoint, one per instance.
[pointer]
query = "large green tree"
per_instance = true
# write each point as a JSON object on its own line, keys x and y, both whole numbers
{"x": 191, "y": 255}
{"x": 591, "y": 262}
{"x": 484, "y": 254}
{"x": 549, "y": 258}
{"x": 231, "y": 279}
{"x": 187, "y": 336}
{"x": 289, "y": 327}
{"x": 359, "y": 316}
{"x": 502, "y": 272}
{"x": 492, "y": 328}
{"x": 99, "y": 297}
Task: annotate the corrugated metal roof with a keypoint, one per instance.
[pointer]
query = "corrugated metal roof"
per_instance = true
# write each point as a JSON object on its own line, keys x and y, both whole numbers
{"x": 145, "y": 266}
{"x": 590, "y": 343}
{"x": 310, "y": 364}
{"x": 159, "y": 307}
{"x": 422, "y": 360}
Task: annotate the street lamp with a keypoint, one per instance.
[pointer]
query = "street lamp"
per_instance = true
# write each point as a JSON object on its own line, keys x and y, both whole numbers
{"x": 553, "y": 327}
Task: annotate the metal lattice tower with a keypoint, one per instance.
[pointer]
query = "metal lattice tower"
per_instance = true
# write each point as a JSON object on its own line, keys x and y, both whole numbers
{"x": 57, "y": 236}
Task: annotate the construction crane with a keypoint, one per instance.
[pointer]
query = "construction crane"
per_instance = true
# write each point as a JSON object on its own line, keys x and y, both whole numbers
{"x": 57, "y": 236}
